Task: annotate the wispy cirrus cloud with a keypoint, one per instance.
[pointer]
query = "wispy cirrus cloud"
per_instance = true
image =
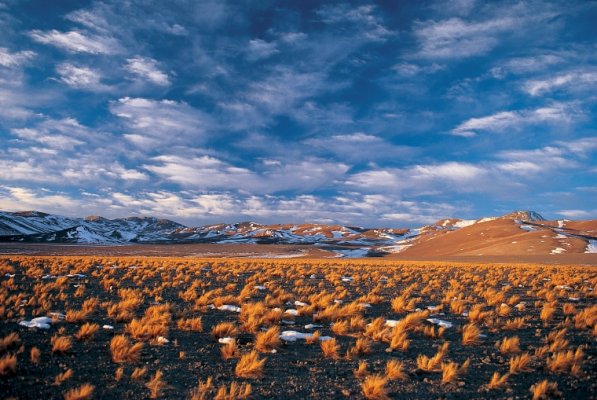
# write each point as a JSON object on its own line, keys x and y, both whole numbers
{"x": 147, "y": 69}
{"x": 76, "y": 41}
{"x": 557, "y": 113}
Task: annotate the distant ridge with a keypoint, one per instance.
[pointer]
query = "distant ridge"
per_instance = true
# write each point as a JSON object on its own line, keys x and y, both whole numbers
{"x": 519, "y": 232}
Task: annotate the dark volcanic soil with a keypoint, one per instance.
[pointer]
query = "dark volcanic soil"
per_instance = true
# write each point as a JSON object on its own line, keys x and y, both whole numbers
{"x": 297, "y": 370}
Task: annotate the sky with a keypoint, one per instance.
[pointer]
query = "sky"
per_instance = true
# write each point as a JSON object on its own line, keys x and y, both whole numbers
{"x": 371, "y": 113}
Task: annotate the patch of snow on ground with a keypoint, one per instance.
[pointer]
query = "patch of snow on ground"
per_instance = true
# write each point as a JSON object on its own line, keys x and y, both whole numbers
{"x": 558, "y": 250}
{"x": 440, "y": 322}
{"x": 293, "y": 336}
{"x": 463, "y": 223}
{"x": 39, "y": 322}
{"x": 352, "y": 253}
{"x": 591, "y": 246}
{"x": 228, "y": 307}
{"x": 528, "y": 228}
{"x": 486, "y": 219}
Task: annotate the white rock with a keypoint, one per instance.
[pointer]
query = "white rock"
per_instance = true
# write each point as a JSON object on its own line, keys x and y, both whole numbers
{"x": 108, "y": 327}
{"x": 440, "y": 322}
{"x": 228, "y": 307}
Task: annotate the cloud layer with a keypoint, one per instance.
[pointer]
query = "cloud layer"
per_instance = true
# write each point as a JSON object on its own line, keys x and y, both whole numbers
{"x": 371, "y": 114}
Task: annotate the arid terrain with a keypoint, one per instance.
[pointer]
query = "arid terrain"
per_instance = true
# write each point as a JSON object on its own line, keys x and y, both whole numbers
{"x": 137, "y": 327}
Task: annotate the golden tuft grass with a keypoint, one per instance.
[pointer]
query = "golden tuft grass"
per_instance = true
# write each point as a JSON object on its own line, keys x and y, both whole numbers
{"x": 10, "y": 340}
{"x": 433, "y": 364}
{"x": 35, "y": 355}
{"x": 83, "y": 392}
{"x": 61, "y": 344}
{"x": 470, "y": 334}
{"x": 520, "y": 363}
{"x": 229, "y": 350}
{"x": 191, "y": 324}
{"x": 395, "y": 370}
{"x": 566, "y": 361}
{"x": 236, "y": 391}
{"x": 544, "y": 390}
{"x": 374, "y": 388}
{"x": 509, "y": 345}
{"x": 250, "y": 366}
{"x": 202, "y": 390}
{"x": 8, "y": 364}
{"x": 156, "y": 385}
{"x": 268, "y": 341}
{"x": 63, "y": 376}
{"x": 330, "y": 348}
{"x": 399, "y": 339}
{"x": 515, "y": 323}
{"x": 118, "y": 374}
{"x": 224, "y": 329}
{"x": 361, "y": 370}
{"x": 451, "y": 371}
{"x": 122, "y": 351}
{"x": 86, "y": 331}
{"x": 138, "y": 373}
{"x": 497, "y": 381}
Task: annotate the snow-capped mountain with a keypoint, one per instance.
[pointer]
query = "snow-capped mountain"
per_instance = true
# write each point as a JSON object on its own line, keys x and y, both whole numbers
{"x": 519, "y": 232}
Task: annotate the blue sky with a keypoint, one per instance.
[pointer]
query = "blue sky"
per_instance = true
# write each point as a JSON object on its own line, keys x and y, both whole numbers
{"x": 393, "y": 113}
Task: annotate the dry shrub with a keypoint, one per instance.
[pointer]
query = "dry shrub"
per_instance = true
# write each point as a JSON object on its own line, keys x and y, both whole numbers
{"x": 138, "y": 373}
{"x": 122, "y": 351}
{"x": 202, "y": 390}
{"x": 547, "y": 312}
{"x": 224, "y": 329}
{"x": 470, "y": 334}
{"x": 451, "y": 371}
{"x": 63, "y": 376}
{"x": 268, "y": 340}
{"x": 361, "y": 371}
{"x": 74, "y": 316}
{"x": 35, "y": 355}
{"x": 545, "y": 390}
{"x": 191, "y": 324}
{"x": 330, "y": 348}
{"x": 497, "y": 381}
{"x": 229, "y": 350}
{"x": 10, "y": 340}
{"x": 86, "y": 331}
{"x": 395, "y": 370}
{"x": 566, "y": 361}
{"x": 154, "y": 323}
{"x": 250, "y": 366}
{"x": 515, "y": 323}
{"x": 432, "y": 364}
{"x": 587, "y": 318}
{"x": 399, "y": 339}
{"x": 236, "y": 391}
{"x": 509, "y": 345}
{"x": 374, "y": 388}
{"x": 8, "y": 364}
{"x": 83, "y": 392}
{"x": 520, "y": 363}
{"x": 61, "y": 344}
{"x": 118, "y": 374}
{"x": 156, "y": 385}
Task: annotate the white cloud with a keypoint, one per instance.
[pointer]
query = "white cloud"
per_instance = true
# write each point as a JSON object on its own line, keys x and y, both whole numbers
{"x": 574, "y": 214}
{"x": 147, "y": 69}
{"x": 362, "y": 18}
{"x": 557, "y": 113}
{"x": 80, "y": 77}
{"x": 583, "y": 80}
{"x": 161, "y": 122}
{"x": 259, "y": 49}
{"x": 76, "y": 41}
{"x": 209, "y": 173}
{"x": 8, "y": 59}
{"x": 361, "y": 147}
{"x": 456, "y": 38}
{"x": 20, "y": 198}
{"x": 423, "y": 179}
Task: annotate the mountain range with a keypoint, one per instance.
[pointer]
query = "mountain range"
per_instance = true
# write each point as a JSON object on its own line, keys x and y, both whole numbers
{"x": 520, "y": 232}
